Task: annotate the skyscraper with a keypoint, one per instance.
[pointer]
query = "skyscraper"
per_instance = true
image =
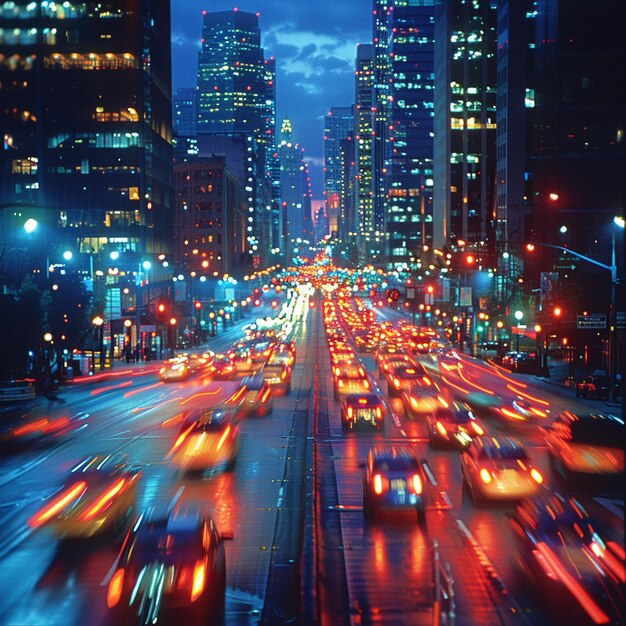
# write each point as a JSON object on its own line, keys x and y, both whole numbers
{"x": 370, "y": 231}
{"x": 465, "y": 121}
{"x": 339, "y": 124}
{"x": 409, "y": 114}
{"x": 295, "y": 194}
{"x": 184, "y": 112}
{"x": 236, "y": 97}
{"x": 86, "y": 117}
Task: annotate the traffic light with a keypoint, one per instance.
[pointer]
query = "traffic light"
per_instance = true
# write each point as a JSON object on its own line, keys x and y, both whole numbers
{"x": 430, "y": 289}
{"x": 557, "y": 311}
{"x": 470, "y": 259}
{"x": 161, "y": 308}
{"x": 198, "y": 305}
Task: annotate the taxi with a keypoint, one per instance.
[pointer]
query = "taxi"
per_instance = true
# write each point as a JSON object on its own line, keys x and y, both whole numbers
{"x": 97, "y": 497}
{"x": 207, "y": 439}
{"x": 498, "y": 468}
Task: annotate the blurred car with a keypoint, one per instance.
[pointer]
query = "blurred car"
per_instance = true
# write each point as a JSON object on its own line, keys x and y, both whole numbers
{"x": 596, "y": 387}
{"x": 16, "y": 390}
{"x": 278, "y": 376}
{"x": 97, "y": 497}
{"x": 498, "y": 468}
{"x": 403, "y": 377}
{"x": 223, "y": 367}
{"x": 589, "y": 444}
{"x": 362, "y": 409}
{"x": 393, "y": 481}
{"x": 521, "y": 409}
{"x": 350, "y": 379}
{"x": 207, "y": 439}
{"x": 421, "y": 398}
{"x": 453, "y": 425}
{"x": 175, "y": 369}
{"x": 576, "y": 569}
{"x": 170, "y": 570}
{"x": 254, "y": 397}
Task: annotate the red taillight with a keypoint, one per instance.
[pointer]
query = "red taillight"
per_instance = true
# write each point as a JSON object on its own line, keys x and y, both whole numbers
{"x": 366, "y": 384}
{"x": 116, "y": 584}
{"x": 225, "y": 434}
{"x": 536, "y": 475}
{"x": 58, "y": 504}
{"x": 485, "y": 476}
{"x": 378, "y": 484}
{"x": 199, "y": 577}
{"x": 350, "y": 412}
{"x": 104, "y": 501}
{"x": 379, "y": 413}
{"x": 441, "y": 428}
{"x": 477, "y": 429}
{"x": 416, "y": 483}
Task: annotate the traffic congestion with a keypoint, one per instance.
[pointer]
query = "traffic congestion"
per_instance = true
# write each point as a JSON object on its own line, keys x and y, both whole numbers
{"x": 329, "y": 461}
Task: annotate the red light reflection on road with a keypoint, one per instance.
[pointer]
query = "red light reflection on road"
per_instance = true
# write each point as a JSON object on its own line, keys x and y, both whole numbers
{"x": 380, "y": 551}
{"x": 200, "y": 395}
{"x": 469, "y": 382}
{"x": 128, "y": 394}
{"x": 95, "y": 392}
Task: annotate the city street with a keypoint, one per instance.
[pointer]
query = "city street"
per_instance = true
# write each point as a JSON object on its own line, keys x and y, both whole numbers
{"x": 292, "y": 505}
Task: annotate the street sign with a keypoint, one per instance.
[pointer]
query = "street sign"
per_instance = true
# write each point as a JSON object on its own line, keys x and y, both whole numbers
{"x": 620, "y": 319}
{"x": 591, "y": 321}
{"x": 410, "y": 293}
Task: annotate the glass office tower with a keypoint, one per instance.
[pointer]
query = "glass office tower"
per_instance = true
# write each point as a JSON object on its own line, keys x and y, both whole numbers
{"x": 86, "y": 120}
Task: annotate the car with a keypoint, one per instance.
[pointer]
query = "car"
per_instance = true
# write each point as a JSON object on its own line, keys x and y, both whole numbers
{"x": 586, "y": 444}
{"x": 278, "y": 376}
{"x": 97, "y": 497}
{"x": 175, "y": 369}
{"x": 362, "y": 409}
{"x": 521, "y": 409}
{"x": 350, "y": 379}
{"x": 453, "y": 425}
{"x": 403, "y": 377}
{"x": 16, "y": 390}
{"x": 574, "y": 564}
{"x": 394, "y": 482}
{"x": 254, "y": 397}
{"x": 498, "y": 468}
{"x": 207, "y": 439}
{"x": 595, "y": 387}
{"x": 223, "y": 367}
{"x": 421, "y": 398}
{"x": 171, "y": 569}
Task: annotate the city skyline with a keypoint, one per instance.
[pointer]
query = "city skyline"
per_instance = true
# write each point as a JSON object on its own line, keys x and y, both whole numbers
{"x": 314, "y": 60}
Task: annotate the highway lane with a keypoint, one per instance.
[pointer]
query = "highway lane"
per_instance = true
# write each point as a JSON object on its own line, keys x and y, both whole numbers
{"x": 365, "y": 573}
{"x": 50, "y": 582}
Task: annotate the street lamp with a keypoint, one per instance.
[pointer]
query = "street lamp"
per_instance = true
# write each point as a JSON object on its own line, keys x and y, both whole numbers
{"x": 98, "y": 322}
{"x": 619, "y": 222}
{"x": 518, "y": 316}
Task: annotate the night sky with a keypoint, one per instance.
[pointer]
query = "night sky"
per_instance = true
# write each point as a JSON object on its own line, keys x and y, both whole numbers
{"x": 314, "y": 43}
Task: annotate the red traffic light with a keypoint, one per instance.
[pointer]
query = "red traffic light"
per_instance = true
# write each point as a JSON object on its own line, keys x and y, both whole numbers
{"x": 198, "y": 305}
{"x": 274, "y": 303}
{"x": 469, "y": 259}
{"x": 161, "y": 308}
{"x": 430, "y": 289}
{"x": 557, "y": 311}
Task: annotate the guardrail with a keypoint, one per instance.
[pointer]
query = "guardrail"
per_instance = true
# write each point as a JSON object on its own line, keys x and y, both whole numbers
{"x": 443, "y": 591}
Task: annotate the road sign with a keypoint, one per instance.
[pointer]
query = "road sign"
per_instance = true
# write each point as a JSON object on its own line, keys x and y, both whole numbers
{"x": 591, "y": 321}
{"x": 410, "y": 293}
{"x": 620, "y": 319}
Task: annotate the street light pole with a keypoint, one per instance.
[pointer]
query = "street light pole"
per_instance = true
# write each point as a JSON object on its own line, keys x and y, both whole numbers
{"x": 613, "y": 269}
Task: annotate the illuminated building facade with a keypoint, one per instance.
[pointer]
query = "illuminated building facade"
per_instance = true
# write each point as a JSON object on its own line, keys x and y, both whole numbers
{"x": 86, "y": 119}
{"x": 408, "y": 177}
{"x": 184, "y": 112}
{"x": 465, "y": 121}
{"x": 236, "y": 97}
{"x": 295, "y": 195}
{"x": 371, "y": 241}
{"x": 339, "y": 124}
{"x": 210, "y": 217}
